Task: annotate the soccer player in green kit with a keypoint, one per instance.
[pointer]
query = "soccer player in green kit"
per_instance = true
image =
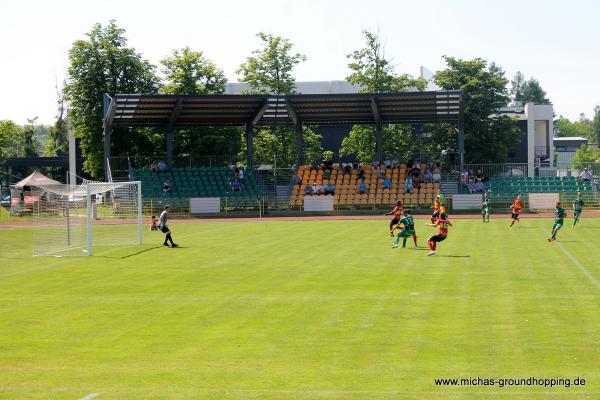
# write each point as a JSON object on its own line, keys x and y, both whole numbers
{"x": 559, "y": 216}
{"x": 486, "y": 207}
{"x": 577, "y": 208}
{"x": 408, "y": 229}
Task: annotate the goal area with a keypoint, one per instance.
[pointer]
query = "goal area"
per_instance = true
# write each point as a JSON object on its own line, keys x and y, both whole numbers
{"x": 76, "y": 220}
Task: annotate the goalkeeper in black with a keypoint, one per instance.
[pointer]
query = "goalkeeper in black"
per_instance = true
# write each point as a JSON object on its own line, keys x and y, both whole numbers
{"x": 163, "y": 225}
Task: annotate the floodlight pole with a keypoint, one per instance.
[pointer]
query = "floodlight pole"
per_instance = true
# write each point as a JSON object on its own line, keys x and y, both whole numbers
{"x": 299, "y": 144}
{"x": 461, "y": 138}
{"x": 109, "y": 113}
{"x": 378, "y": 130}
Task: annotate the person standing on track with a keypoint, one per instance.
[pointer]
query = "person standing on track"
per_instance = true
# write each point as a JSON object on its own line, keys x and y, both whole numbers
{"x": 164, "y": 226}
{"x": 486, "y": 207}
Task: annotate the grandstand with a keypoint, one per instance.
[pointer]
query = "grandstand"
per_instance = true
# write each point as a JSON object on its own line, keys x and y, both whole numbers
{"x": 537, "y": 184}
{"x": 197, "y": 182}
{"x": 345, "y": 186}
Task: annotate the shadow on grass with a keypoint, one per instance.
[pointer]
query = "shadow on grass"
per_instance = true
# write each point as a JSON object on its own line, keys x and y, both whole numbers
{"x": 137, "y": 253}
{"x": 450, "y": 256}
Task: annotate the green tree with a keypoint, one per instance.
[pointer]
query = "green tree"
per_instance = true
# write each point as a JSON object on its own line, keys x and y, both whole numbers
{"x": 582, "y": 128}
{"x": 30, "y": 143}
{"x": 102, "y": 63}
{"x": 398, "y": 143}
{"x": 489, "y": 138}
{"x": 375, "y": 73}
{"x": 11, "y": 140}
{"x": 533, "y": 92}
{"x": 58, "y": 144}
{"x": 584, "y": 156}
{"x": 516, "y": 86}
{"x": 189, "y": 72}
{"x": 596, "y": 125}
{"x": 269, "y": 69}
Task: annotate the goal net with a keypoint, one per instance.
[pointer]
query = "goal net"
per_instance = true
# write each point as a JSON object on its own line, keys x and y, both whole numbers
{"x": 75, "y": 220}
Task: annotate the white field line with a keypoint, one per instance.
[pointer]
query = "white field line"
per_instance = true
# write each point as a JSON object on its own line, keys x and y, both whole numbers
{"x": 579, "y": 265}
{"x": 90, "y": 396}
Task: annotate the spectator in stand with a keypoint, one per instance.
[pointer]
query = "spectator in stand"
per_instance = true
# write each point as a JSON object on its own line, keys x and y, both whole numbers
{"x": 427, "y": 175}
{"x": 416, "y": 181}
{"x": 355, "y": 164}
{"x": 479, "y": 187}
{"x": 161, "y": 166}
{"x": 464, "y": 177}
{"x": 235, "y": 186}
{"x": 315, "y": 189}
{"x": 362, "y": 187}
{"x": 360, "y": 174}
{"x": 479, "y": 175}
{"x": 241, "y": 176}
{"x": 235, "y": 170}
{"x": 166, "y": 188}
{"x": 382, "y": 168}
{"x": 347, "y": 169}
{"x": 327, "y": 174}
{"x": 308, "y": 190}
{"x": 322, "y": 189}
{"x": 387, "y": 183}
{"x": 330, "y": 189}
{"x": 387, "y": 164}
{"x": 436, "y": 176}
{"x": 296, "y": 180}
{"x": 408, "y": 184}
{"x": 153, "y": 167}
{"x": 471, "y": 177}
{"x": 585, "y": 175}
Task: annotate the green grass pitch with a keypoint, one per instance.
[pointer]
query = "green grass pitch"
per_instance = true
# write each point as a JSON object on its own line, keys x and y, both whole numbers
{"x": 305, "y": 310}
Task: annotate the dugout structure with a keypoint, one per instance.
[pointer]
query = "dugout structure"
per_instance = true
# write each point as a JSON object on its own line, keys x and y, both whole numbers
{"x": 74, "y": 220}
{"x": 170, "y": 112}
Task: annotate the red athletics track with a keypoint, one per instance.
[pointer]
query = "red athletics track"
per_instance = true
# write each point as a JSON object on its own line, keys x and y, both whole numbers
{"x": 588, "y": 214}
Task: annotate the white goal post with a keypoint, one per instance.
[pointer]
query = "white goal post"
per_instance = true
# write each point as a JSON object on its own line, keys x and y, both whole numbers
{"x": 74, "y": 220}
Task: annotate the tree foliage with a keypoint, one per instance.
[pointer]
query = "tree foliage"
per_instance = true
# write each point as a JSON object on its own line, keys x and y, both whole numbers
{"x": 398, "y": 143}
{"x": 376, "y": 74}
{"x": 102, "y": 63}
{"x": 581, "y": 128}
{"x": 489, "y": 138}
{"x": 11, "y": 140}
{"x": 584, "y": 156}
{"x": 31, "y": 145}
{"x": 269, "y": 68}
{"x": 58, "y": 144}
{"x": 277, "y": 145}
{"x": 533, "y": 92}
{"x": 516, "y": 86}
{"x": 189, "y": 72}
{"x": 596, "y": 125}
{"x": 269, "y": 71}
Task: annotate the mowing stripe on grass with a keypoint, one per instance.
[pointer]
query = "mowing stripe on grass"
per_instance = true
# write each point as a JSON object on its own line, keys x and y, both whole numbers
{"x": 579, "y": 265}
{"x": 90, "y": 396}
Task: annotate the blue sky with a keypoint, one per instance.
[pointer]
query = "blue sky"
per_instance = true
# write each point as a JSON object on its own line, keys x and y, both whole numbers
{"x": 553, "y": 41}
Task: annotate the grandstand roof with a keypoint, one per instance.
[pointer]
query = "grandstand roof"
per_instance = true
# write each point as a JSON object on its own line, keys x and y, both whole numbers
{"x": 127, "y": 110}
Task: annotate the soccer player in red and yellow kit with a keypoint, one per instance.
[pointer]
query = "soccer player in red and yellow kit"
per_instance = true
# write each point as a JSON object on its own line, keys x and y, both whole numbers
{"x": 397, "y": 213}
{"x": 442, "y": 225}
{"x": 436, "y": 210}
{"x": 516, "y": 208}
